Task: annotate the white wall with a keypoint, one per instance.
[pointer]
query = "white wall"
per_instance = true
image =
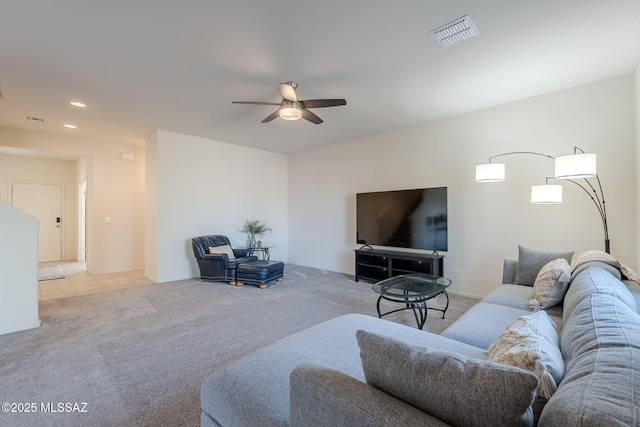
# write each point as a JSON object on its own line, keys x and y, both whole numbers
{"x": 18, "y": 270}
{"x": 638, "y": 163}
{"x": 209, "y": 187}
{"x": 116, "y": 190}
{"x": 51, "y": 171}
{"x": 486, "y": 221}
{"x": 151, "y": 207}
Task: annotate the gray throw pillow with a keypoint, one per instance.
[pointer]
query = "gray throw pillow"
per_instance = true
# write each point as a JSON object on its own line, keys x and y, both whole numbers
{"x": 530, "y": 261}
{"x": 452, "y": 387}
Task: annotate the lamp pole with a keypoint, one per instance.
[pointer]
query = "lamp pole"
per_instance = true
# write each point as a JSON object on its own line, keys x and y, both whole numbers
{"x": 597, "y": 198}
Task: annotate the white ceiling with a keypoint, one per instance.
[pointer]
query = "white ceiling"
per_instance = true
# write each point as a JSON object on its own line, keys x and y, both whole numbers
{"x": 177, "y": 65}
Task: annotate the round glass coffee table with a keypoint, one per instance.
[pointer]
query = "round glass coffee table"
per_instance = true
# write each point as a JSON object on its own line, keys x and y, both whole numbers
{"x": 413, "y": 291}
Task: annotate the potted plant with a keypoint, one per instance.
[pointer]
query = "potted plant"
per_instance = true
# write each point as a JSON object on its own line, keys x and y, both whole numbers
{"x": 255, "y": 227}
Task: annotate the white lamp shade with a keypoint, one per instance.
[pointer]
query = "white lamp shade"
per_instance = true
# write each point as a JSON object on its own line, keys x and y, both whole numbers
{"x": 576, "y": 166}
{"x": 546, "y": 194}
{"x": 490, "y": 172}
{"x": 290, "y": 113}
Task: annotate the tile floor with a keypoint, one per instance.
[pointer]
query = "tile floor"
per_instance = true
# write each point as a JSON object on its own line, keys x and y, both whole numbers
{"x": 78, "y": 281}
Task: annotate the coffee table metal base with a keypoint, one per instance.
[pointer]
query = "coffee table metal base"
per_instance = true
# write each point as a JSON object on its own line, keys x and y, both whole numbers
{"x": 416, "y": 304}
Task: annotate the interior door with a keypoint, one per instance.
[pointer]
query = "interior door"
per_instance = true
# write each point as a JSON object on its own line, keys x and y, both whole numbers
{"x": 44, "y": 202}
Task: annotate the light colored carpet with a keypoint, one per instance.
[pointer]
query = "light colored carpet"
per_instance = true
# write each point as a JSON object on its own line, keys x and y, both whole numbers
{"x": 138, "y": 356}
{"x": 50, "y": 272}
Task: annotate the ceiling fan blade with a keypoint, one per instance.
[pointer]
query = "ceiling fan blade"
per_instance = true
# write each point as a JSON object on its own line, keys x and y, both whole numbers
{"x": 288, "y": 92}
{"x": 255, "y": 103}
{"x": 320, "y": 103}
{"x": 271, "y": 116}
{"x": 306, "y": 114}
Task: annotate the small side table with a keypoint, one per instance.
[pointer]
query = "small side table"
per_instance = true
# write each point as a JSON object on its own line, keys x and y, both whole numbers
{"x": 412, "y": 290}
{"x": 264, "y": 250}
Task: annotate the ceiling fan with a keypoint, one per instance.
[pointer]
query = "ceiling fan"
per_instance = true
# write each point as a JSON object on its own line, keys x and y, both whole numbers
{"x": 291, "y": 108}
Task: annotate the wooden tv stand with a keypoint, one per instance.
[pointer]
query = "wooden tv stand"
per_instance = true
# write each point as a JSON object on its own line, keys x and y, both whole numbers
{"x": 373, "y": 265}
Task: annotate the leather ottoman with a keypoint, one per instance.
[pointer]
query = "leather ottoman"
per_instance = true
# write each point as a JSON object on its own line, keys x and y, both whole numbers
{"x": 259, "y": 273}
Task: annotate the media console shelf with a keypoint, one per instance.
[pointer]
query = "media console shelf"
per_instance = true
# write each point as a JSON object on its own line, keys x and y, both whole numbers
{"x": 373, "y": 265}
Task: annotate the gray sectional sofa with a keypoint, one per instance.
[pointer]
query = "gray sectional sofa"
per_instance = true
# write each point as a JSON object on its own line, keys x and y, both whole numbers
{"x": 316, "y": 378}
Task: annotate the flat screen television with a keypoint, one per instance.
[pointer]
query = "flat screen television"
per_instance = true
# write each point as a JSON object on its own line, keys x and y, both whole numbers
{"x": 414, "y": 219}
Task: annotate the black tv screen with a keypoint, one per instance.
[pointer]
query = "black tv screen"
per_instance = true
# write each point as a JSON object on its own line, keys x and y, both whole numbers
{"x": 415, "y": 219}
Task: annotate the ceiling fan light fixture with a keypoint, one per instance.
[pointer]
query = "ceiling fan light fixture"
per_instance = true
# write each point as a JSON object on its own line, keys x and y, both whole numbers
{"x": 290, "y": 111}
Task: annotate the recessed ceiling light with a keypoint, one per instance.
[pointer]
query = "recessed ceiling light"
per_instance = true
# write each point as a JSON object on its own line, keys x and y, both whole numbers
{"x": 78, "y": 104}
{"x": 70, "y": 126}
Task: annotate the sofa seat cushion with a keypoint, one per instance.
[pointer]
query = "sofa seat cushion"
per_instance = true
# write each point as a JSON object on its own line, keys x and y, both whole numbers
{"x": 254, "y": 390}
{"x": 434, "y": 379}
{"x": 483, "y": 323}
{"x": 595, "y": 280}
{"x": 518, "y": 296}
{"x": 601, "y": 386}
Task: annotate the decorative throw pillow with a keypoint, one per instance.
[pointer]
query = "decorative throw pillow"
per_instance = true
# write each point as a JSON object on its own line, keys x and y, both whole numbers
{"x": 224, "y": 249}
{"x": 530, "y": 261}
{"x": 551, "y": 284}
{"x": 452, "y": 387}
{"x": 531, "y": 343}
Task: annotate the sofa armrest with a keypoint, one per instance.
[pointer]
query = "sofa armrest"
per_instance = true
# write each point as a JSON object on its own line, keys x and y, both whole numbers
{"x": 216, "y": 257}
{"x": 320, "y": 396}
{"x": 240, "y": 253}
{"x": 509, "y": 269}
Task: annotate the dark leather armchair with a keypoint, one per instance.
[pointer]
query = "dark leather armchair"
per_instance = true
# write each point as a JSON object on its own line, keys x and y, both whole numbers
{"x": 218, "y": 267}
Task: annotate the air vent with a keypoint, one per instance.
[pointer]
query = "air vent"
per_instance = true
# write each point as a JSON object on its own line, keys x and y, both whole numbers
{"x": 454, "y": 32}
{"x": 34, "y": 119}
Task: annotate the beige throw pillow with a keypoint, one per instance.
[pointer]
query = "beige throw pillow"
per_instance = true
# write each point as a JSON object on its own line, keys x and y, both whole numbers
{"x": 224, "y": 249}
{"x": 551, "y": 284}
{"x": 531, "y": 343}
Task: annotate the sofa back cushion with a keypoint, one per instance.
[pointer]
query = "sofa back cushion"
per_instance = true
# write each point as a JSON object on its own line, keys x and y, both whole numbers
{"x": 450, "y": 386}
{"x": 600, "y": 343}
{"x": 615, "y": 272}
{"x": 594, "y": 280}
{"x": 530, "y": 261}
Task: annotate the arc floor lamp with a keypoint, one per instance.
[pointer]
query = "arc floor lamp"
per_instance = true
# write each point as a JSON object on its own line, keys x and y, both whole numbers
{"x": 579, "y": 165}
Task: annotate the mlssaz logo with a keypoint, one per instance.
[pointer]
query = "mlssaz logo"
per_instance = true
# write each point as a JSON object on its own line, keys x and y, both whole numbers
{"x": 63, "y": 407}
